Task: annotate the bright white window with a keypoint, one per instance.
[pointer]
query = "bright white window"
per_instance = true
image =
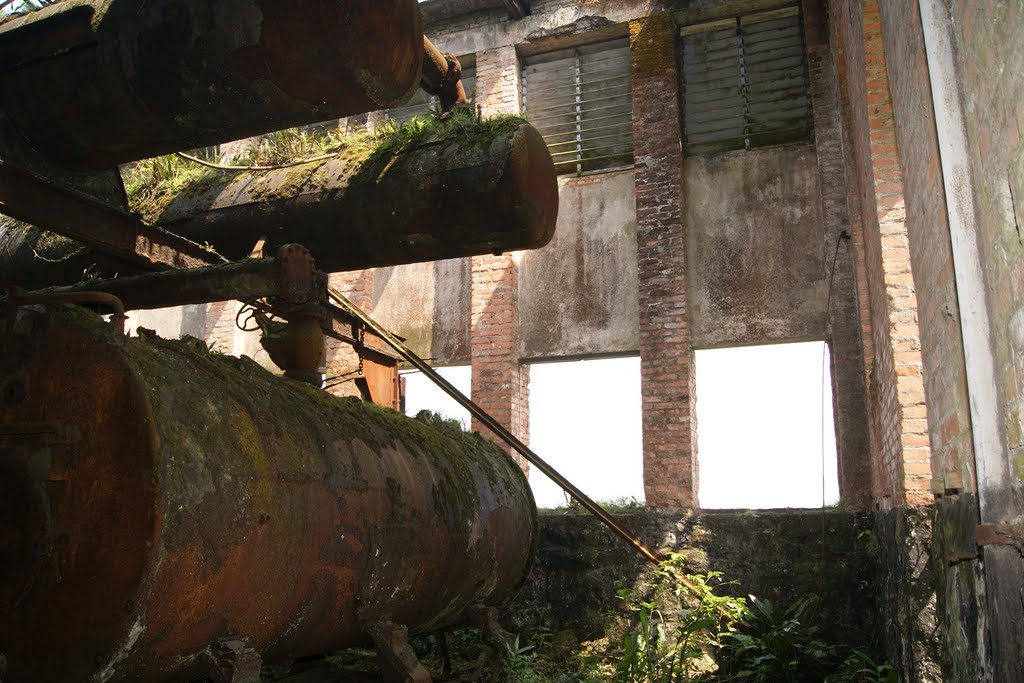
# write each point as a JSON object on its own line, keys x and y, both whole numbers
{"x": 585, "y": 422}
{"x": 423, "y": 394}
{"x": 765, "y": 434}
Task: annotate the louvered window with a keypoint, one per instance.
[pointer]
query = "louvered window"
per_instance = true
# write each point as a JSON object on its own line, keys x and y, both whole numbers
{"x": 745, "y": 83}
{"x": 579, "y": 100}
{"x": 422, "y": 104}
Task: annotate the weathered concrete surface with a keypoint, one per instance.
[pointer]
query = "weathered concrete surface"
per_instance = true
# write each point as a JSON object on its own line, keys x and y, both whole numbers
{"x": 960, "y": 588}
{"x": 429, "y": 305}
{"x": 554, "y": 24}
{"x": 170, "y": 323}
{"x": 757, "y": 272}
{"x": 775, "y": 554}
{"x": 578, "y": 295}
{"x": 905, "y": 593}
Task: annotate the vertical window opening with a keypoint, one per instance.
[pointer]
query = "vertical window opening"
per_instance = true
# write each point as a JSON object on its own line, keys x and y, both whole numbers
{"x": 765, "y": 432}
{"x": 585, "y": 422}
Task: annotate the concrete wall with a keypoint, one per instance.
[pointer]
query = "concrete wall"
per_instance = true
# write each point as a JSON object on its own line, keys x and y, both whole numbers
{"x": 578, "y": 295}
{"x": 428, "y": 304}
{"x": 170, "y": 323}
{"x": 755, "y": 248}
{"x": 799, "y": 554}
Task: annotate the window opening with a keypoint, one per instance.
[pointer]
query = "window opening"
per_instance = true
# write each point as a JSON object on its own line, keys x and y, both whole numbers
{"x": 585, "y": 422}
{"x": 579, "y": 99}
{"x": 765, "y": 432}
{"x": 745, "y": 83}
{"x": 420, "y": 393}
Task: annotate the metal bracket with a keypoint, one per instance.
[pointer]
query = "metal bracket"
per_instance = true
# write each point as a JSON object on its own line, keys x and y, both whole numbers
{"x": 1000, "y": 534}
{"x": 233, "y": 660}
{"x": 397, "y": 656}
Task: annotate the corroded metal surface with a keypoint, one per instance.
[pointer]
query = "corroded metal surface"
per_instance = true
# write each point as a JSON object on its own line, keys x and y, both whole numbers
{"x": 126, "y": 80}
{"x": 442, "y": 76}
{"x": 157, "y": 499}
{"x": 90, "y": 222}
{"x": 469, "y": 192}
{"x": 464, "y": 194}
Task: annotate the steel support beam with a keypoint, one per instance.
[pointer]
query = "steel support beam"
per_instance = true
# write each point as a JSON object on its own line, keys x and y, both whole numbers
{"x": 28, "y": 198}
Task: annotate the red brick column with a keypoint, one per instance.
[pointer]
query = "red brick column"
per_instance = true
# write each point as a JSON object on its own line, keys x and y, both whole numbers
{"x": 498, "y": 75}
{"x": 930, "y": 248}
{"x": 340, "y": 358}
{"x": 901, "y": 472}
{"x": 220, "y": 326}
{"x": 666, "y": 367}
{"x": 500, "y": 383}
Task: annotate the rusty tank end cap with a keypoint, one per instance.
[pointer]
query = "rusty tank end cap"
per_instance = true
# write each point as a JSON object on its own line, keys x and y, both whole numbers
{"x": 530, "y": 187}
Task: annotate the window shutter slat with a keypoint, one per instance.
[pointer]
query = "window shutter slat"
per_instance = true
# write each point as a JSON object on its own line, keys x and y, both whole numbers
{"x": 579, "y": 99}
{"x": 745, "y": 85}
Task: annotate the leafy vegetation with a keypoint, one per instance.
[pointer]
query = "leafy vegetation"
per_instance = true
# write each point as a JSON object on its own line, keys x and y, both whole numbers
{"x": 679, "y": 628}
{"x": 149, "y": 180}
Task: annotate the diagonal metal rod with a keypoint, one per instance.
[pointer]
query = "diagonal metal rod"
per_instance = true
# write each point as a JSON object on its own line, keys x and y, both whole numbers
{"x": 495, "y": 426}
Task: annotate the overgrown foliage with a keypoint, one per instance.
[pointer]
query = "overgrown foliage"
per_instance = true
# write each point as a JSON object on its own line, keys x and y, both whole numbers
{"x": 678, "y": 628}
{"x": 149, "y": 180}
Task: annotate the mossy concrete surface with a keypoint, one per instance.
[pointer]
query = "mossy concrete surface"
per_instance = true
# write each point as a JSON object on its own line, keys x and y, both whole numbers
{"x": 781, "y": 555}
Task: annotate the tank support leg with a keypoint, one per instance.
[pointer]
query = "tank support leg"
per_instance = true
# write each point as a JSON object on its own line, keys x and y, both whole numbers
{"x": 443, "y": 654}
{"x": 486, "y": 619}
{"x": 233, "y": 661}
{"x": 397, "y": 657}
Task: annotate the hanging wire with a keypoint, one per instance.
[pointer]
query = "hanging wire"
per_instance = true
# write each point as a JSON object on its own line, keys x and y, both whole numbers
{"x": 226, "y": 167}
{"x": 843, "y": 237}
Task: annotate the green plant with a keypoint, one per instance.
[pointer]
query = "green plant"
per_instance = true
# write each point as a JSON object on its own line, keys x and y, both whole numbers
{"x": 660, "y": 650}
{"x": 520, "y": 665}
{"x": 860, "y": 667}
{"x": 774, "y": 644}
{"x": 870, "y": 542}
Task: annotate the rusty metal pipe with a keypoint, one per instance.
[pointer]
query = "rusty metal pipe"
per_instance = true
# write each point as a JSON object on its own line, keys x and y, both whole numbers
{"x": 442, "y": 76}
{"x": 94, "y": 83}
{"x": 16, "y": 298}
{"x": 176, "y": 498}
{"x": 496, "y": 427}
{"x": 238, "y": 280}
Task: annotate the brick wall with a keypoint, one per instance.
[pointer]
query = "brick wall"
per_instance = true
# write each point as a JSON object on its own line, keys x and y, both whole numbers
{"x": 930, "y": 248}
{"x": 848, "y": 373}
{"x": 220, "y": 326}
{"x": 666, "y": 361}
{"x": 498, "y": 80}
{"x": 896, "y": 390}
{"x": 991, "y": 61}
{"x": 340, "y": 359}
{"x": 500, "y": 383}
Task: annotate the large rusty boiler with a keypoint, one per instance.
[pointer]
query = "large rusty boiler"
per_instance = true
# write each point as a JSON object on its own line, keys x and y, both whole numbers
{"x": 157, "y": 499}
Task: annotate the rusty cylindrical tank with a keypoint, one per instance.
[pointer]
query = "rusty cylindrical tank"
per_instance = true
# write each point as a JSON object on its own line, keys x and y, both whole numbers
{"x": 486, "y": 186}
{"x": 156, "y": 498}
{"x": 94, "y": 83}
{"x": 462, "y": 191}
